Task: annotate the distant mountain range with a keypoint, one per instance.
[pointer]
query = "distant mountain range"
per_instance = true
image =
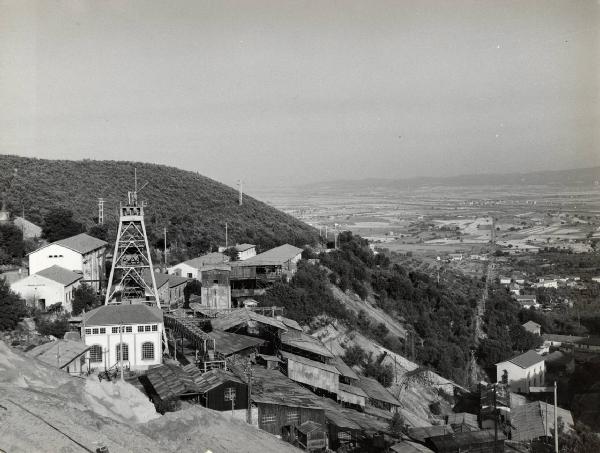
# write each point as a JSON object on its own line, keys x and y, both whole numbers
{"x": 192, "y": 207}
{"x": 573, "y": 177}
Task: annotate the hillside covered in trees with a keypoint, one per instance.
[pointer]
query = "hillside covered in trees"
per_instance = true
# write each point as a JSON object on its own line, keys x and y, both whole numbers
{"x": 192, "y": 207}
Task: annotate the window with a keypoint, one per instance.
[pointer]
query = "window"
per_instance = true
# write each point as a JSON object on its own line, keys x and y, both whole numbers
{"x": 95, "y": 331}
{"x": 115, "y": 330}
{"x": 102, "y": 329}
{"x": 128, "y": 329}
{"x": 96, "y": 354}
{"x": 154, "y": 328}
{"x": 229, "y": 394}
{"x": 88, "y": 331}
{"x": 189, "y": 275}
{"x": 147, "y": 328}
{"x": 148, "y": 351}
{"x": 268, "y": 419}
{"x": 140, "y": 328}
{"x": 125, "y": 352}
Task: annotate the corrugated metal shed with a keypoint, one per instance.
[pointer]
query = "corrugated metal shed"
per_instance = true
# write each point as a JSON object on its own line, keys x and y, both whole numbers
{"x": 309, "y": 362}
{"x": 407, "y": 446}
{"x": 462, "y": 441}
{"x": 353, "y": 390}
{"x": 272, "y": 387}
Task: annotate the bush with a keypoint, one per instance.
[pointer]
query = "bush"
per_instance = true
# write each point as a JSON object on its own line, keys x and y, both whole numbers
{"x": 355, "y": 355}
{"x": 84, "y": 298}
{"x": 12, "y": 309}
{"x": 56, "y": 327}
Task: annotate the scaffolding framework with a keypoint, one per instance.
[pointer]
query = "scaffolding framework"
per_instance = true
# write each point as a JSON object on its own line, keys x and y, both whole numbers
{"x": 131, "y": 258}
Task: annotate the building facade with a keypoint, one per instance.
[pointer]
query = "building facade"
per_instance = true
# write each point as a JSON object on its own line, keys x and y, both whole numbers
{"x": 138, "y": 328}
{"x": 81, "y": 253}
{"x": 50, "y": 286}
{"x": 523, "y": 371}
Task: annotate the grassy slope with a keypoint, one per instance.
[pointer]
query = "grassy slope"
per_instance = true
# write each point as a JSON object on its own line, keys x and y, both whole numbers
{"x": 188, "y": 204}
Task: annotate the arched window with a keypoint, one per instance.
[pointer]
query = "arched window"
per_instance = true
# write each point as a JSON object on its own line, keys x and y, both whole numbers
{"x": 96, "y": 354}
{"x": 125, "y": 352}
{"x": 148, "y": 351}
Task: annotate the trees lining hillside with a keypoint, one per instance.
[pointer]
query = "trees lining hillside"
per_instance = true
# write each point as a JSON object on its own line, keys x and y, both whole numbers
{"x": 192, "y": 207}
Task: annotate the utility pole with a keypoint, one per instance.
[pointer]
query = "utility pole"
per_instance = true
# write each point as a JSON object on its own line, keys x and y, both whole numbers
{"x": 165, "y": 233}
{"x": 555, "y": 421}
{"x": 249, "y": 376}
{"x": 121, "y": 349}
{"x": 100, "y": 211}
{"x": 240, "y": 182}
{"x": 226, "y": 239}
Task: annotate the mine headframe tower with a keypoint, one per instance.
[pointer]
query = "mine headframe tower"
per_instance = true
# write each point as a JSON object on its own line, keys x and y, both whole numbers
{"x": 132, "y": 274}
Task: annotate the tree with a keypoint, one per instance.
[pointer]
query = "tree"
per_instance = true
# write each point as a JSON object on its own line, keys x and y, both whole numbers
{"x": 84, "y": 298}
{"x": 194, "y": 287}
{"x": 11, "y": 243}
{"x": 12, "y": 309}
{"x": 397, "y": 425}
{"x": 99, "y": 231}
{"x": 59, "y": 224}
{"x": 56, "y": 327}
{"x": 580, "y": 440}
{"x": 355, "y": 355}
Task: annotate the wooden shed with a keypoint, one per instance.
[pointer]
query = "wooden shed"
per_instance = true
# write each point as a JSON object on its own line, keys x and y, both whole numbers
{"x": 311, "y": 436}
{"x": 221, "y": 390}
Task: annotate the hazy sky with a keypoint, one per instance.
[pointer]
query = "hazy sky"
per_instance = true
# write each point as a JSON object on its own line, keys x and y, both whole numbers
{"x": 298, "y": 91}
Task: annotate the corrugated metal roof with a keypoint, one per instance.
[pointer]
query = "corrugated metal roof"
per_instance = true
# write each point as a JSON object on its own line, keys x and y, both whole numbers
{"x": 80, "y": 243}
{"x": 242, "y": 316}
{"x": 526, "y": 359}
{"x": 308, "y": 362}
{"x": 123, "y": 314}
{"x": 58, "y": 353}
{"x": 462, "y": 418}
{"x": 272, "y": 387}
{"x": 288, "y": 322}
{"x": 171, "y": 381}
{"x": 231, "y": 343}
{"x": 273, "y": 257}
{"x": 352, "y": 389}
{"x": 534, "y": 420}
{"x": 344, "y": 369}
{"x": 213, "y": 378}
{"x": 209, "y": 258}
{"x": 60, "y": 275}
{"x": 532, "y": 324}
{"x": 305, "y": 342}
{"x": 377, "y": 391}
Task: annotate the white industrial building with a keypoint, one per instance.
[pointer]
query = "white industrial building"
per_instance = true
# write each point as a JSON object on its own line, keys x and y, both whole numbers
{"x": 245, "y": 251}
{"x": 523, "y": 371}
{"x": 138, "y": 327}
{"x": 81, "y": 253}
{"x": 53, "y": 285}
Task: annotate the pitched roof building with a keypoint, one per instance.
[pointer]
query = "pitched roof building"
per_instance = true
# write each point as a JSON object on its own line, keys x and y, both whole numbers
{"x": 522, "y": 371}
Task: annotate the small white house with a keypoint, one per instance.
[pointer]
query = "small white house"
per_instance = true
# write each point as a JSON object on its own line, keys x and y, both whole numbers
{"x": 139, "y": 328}
{"x": 191, "y": 268}
{"x": 54, "y": 285}
{"x": 245, "y": 251}
{"x": 80, "y": 253}
{"x": 505, "y": 280}
{"x": 527, "y": 301}
{"x": 523, "y": 371}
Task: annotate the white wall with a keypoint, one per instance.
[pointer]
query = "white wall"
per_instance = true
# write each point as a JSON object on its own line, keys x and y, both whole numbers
{"x": 36, "y": 287}
{"x": 109, "y": 341}
{"x": 521, "y": 379}
{"x": 247, "y": 254}
{"x": 55, "y": 255}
